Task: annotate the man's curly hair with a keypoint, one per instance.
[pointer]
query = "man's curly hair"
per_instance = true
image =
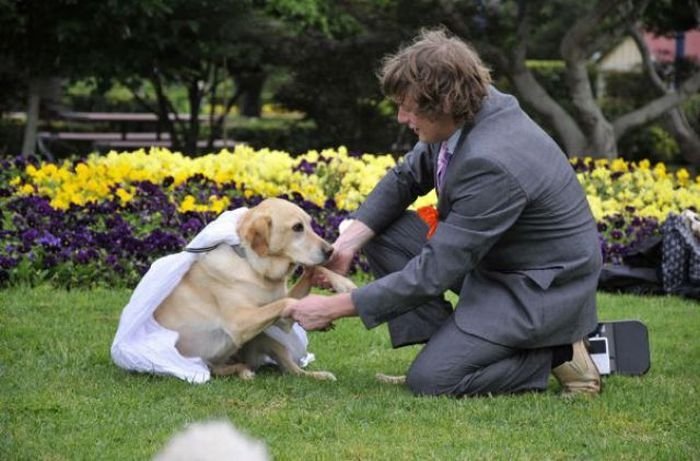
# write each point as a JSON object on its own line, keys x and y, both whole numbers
{"x": 440, "y": 73}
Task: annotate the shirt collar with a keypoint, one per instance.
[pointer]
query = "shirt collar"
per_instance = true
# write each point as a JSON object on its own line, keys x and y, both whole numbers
{"x": 453, "y": 140}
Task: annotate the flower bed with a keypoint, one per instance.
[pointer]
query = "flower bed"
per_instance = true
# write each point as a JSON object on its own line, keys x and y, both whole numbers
{"x": 104, "y": 219}
{"x": 630, "y": 200}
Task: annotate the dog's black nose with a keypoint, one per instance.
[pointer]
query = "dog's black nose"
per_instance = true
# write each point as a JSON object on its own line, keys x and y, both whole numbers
{"x": 328, "y": 252}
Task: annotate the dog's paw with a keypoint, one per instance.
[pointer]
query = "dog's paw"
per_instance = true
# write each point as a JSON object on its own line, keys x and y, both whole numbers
{"x": 389, "y": 379}
{"x": 285, "y": 323}
{"x": 321, "y": 375}
{"x": 343, "y": 285}
{"x": 246, "y": 375}
{"x": 338, "y": 282}
{"x": 241, "y": 370}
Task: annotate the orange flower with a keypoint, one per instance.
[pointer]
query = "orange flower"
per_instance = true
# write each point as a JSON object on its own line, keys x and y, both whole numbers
{"x": 429, "y": 215}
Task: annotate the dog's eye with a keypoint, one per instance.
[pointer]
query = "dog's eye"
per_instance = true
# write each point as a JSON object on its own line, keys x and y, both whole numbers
{"x": 298, "y": 227}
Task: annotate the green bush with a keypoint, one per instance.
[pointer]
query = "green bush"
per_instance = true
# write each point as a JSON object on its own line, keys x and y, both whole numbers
{"x": 11, "y": 135}
{"x": 290, "y": 135}
{"x": 334, "y": 84}
{"x": 650, "y": 142}
{"x": 626, "y": 91}
{"x": 692, "y": 111}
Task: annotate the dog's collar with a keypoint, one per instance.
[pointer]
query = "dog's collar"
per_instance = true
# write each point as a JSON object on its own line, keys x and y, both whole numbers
{"x": 240, "y": 251}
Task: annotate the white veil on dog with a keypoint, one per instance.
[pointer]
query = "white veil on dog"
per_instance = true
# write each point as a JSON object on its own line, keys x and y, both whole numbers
{"x": 143, "y": 345}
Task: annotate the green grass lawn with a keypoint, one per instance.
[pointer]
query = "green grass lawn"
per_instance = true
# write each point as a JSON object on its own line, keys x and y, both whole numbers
{"x": 61, "y": 398}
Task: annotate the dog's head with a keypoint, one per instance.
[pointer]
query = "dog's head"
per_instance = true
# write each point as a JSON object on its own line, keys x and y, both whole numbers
{"x": 280, "y": 229}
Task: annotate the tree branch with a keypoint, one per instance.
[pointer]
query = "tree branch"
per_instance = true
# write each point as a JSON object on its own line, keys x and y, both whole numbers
{"x": 140, "y": 99}
{"x": 229, "y": 105}
{"x": 165, "y": 109}
{"x": 647, "y": 63}
{"x": 677, "y": 121}
{"x": 213, "y": 88}
{"x": 658, "y": 106}
{"x": 576, "y": 43}
{"x": 522, "y": 36}
{"x": 575, "y": 49}
{"x": 530, "y": 90}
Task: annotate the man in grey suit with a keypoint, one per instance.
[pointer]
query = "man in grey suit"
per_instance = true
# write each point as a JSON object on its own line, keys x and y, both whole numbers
{"x": 515, "y": 239}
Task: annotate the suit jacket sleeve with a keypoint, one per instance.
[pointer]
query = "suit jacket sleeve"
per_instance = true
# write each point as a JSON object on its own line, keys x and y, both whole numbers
{"x": 400, "y": 187}
{"x": 484, "y": 201}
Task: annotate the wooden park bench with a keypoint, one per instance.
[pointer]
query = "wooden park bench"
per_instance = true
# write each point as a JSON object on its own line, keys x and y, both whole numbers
{"x": 131, "y": 130}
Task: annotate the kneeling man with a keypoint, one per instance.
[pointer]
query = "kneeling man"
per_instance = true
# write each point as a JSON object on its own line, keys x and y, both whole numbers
{"x": 515, "y": 239}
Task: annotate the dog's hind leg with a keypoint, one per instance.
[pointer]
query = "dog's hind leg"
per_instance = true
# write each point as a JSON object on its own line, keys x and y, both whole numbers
{"x": 283, "y": 358}
{"x": 390, "y": 379}
{"x": 241, "y": 369}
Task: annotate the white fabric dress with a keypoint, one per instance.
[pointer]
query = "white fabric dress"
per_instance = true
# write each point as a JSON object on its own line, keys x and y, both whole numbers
{"x": 143, "y": 345}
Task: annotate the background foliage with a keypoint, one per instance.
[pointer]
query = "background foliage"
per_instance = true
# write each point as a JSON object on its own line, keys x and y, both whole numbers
{"x": 317, "y": 57}
{"x": 103, "y": 220}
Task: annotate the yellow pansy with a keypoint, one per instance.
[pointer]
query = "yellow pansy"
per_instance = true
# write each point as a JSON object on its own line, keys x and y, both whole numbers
{"x": 660, "y": 170}
{"x": 124, "y": 196}
{"x": 683, "y": 176}
{"x": 344, "y": 178}
{"x": 187, "y": 204}
{"x": 27, "y": 189}
{"x": 218, "y": 204}
{"x": 619, "y": 165}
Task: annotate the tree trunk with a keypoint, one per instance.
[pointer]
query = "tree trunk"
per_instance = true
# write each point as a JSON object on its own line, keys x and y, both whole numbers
{"x": 601, "y": 135}
{"x": 32, "y": 123}
{"x": 688, "y": 140}
{"x": 167, "y": 115}
{"x": 530, "y": 90}
{"x": 250, "y": 85}
{"x": 570, "y": 135}
{"x": 194, "y": 95}
{"x": 575, "y": 48}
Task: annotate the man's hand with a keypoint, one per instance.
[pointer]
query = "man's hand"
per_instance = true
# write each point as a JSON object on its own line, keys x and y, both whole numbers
{"x": 341, "y": 259}
{"x": 310, "y": 312}
{"x": 339, "y": 263}
{"x": 351, "y": 240}
{"x": 317, "y": 312}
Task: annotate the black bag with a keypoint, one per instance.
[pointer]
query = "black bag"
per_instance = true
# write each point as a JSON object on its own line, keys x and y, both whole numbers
{"x": 669, "y": 263}
{"x": 680, "y": 266}
{"x": 639, "y": 273}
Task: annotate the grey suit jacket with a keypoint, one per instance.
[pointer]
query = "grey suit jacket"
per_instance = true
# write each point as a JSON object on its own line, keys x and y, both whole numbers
{"x": 516, "y": 237}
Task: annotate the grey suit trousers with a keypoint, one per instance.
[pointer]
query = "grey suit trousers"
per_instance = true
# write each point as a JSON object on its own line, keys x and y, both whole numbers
{"x": 452, "y": 362}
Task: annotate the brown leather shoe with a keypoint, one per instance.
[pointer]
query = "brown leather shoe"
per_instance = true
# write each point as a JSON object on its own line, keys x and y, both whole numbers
{"x": 579, "y": 375}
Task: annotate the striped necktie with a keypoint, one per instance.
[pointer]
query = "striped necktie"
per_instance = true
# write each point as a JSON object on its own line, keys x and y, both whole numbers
{"x": 443, "y": 159}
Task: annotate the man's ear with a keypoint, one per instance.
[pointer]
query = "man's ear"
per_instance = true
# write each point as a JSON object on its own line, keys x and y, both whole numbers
{"x": 256, "y": 231}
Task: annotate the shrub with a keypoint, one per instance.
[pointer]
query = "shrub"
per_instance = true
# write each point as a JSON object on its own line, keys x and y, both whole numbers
{"x": 102, "y": 220}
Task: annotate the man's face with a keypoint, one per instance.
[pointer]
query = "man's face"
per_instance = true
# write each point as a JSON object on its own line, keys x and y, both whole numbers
{"x": 429, "y": 130}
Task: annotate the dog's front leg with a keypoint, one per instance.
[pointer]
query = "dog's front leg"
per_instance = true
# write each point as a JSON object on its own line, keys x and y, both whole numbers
{"x": 339, "y": 283}
{"x": 303, "y": 286}
{"x": 245, "y": 323}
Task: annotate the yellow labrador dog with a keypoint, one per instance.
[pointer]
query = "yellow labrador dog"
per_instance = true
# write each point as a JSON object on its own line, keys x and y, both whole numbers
{"x": 230, "y": 295}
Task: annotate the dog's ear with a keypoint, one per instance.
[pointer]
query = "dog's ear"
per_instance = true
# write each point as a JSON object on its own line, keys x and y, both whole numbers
{"x": 256, "y": 231}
